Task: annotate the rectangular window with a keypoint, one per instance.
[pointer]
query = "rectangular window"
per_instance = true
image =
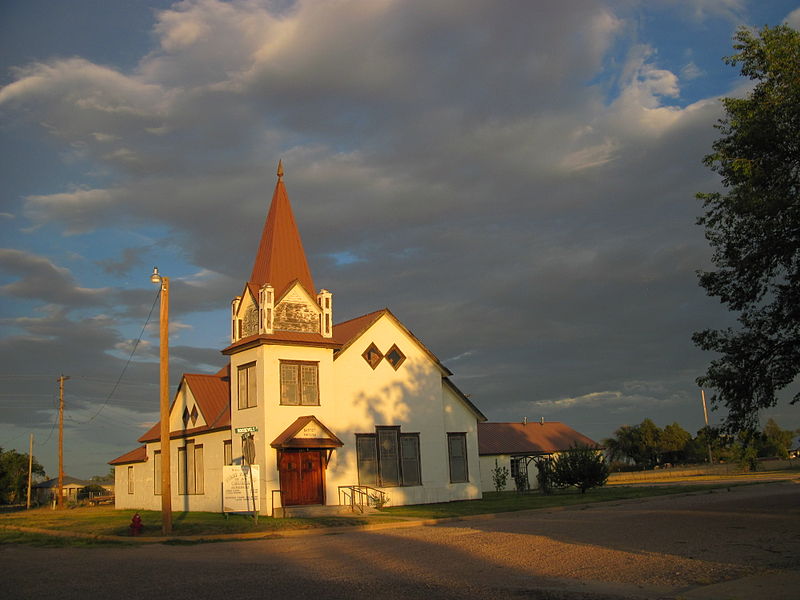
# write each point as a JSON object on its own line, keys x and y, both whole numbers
{"x": 389, "y": 458}
{"x": 299, "y": 384}
{"x": 130, "y": 479}
{"x": 190, "y": 469}
{"x": 367, "y": 459}
{"x": 227, "y": 452}
{"x": 409, "y": 459}
{"x": 247, "y": 386}
{"x": 457, "y": 454}
{"x": 157, "y": 472}
{"x": 389, "y": 455}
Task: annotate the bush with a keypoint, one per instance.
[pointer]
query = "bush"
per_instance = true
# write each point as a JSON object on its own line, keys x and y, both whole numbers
{"x": 581, "y": 466}
{"x": 499, "y": 477}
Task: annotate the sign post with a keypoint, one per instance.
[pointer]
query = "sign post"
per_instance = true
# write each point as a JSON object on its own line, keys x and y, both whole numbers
{"x": 249, "y": 455}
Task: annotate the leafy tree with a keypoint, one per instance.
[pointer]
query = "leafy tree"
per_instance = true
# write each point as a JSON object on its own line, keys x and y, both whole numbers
{"x": 639, "y": 443}
{"x": 672, "y": 443}
{"x": 753, "y": 228}
{"x": 581, "y": 466}
{"x": 776, "y": 441}
{"x": 107, "y": 478}
{"x": 14, "y": 476}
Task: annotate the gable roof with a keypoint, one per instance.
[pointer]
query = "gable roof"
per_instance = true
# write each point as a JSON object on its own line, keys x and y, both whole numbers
{"x": 137, "y": 455}
{"x": 287, "y": 438}
{"x": 67, "y": 480}
{"x": 528, "y": 438}
{"x": 280, "y": 258}
{"x": 348, "y": 332}
{"x": 212, "y": 395}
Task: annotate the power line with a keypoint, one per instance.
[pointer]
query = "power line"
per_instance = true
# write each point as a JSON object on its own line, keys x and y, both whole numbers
{"x": 128, "y": 362}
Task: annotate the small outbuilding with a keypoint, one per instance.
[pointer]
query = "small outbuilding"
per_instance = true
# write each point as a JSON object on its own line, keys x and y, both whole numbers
{"x": 516, "y": 446}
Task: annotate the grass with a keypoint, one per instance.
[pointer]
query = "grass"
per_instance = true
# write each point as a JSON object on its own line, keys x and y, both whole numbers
{"x": 498, "y": 502}
{"x": 106, "y": 521}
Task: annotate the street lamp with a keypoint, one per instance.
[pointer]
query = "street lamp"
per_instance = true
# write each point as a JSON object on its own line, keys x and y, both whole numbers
{"x": 166, "y": 490}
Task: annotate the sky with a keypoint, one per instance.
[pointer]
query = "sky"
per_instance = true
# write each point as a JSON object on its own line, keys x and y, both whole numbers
{"x": 516, "y": 181}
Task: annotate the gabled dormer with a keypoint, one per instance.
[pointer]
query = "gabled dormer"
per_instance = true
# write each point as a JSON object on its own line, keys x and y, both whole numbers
{"x": 280, "y": 293}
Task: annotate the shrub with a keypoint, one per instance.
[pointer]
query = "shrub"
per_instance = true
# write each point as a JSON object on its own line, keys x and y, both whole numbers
{"x": 499, "y": 477}
{"x": 581, "y": 466}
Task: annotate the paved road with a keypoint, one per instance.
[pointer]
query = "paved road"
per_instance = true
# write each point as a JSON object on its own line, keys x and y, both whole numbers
{"x": 668, "y": 547}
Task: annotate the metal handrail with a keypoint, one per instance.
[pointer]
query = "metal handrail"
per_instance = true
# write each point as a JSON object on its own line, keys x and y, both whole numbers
{"x": 358, "y": 497}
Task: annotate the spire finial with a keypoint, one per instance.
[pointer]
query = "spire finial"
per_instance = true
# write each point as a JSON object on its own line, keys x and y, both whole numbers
{"x": 280, "y": 169}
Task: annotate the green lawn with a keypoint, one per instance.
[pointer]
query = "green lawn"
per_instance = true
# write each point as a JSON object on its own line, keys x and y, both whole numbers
{"x": 494, "y": 502}
{"x": 104, "y": 520}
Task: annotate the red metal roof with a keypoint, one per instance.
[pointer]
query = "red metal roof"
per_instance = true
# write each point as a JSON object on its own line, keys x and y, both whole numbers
{"x": 529, "y": 438}
{"x": 289, "y": 338}
{"x": 281, "y": 258}
{"x": 212, "y": 394}
{"x": 138, "y": 455}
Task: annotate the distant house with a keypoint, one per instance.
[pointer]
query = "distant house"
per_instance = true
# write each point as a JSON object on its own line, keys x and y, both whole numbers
{"x": 44, "y": 492}
{"x": 517, "y": 445}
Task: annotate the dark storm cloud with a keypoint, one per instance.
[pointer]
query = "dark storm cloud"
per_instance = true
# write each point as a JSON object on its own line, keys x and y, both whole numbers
{"x": 517, "y": 185}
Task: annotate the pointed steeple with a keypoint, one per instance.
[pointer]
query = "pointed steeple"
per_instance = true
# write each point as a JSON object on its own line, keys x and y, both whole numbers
{"x": 281, "y": 258}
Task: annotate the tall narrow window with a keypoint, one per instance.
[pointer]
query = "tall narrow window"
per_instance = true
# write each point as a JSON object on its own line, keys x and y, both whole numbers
{"x": 367, "y": 457}
{"x": 389, "y": 455}
{"x": 227, "y": 452}
{"x": 247, "y": 386}
{"x": 299, "y": 383}
{"x": 130, "y": 479}
{"x": 190, "y": 469}
{"x": 457, "y": 453}
{"x": 157, "y": 472}
{"x": 409, "y": 459}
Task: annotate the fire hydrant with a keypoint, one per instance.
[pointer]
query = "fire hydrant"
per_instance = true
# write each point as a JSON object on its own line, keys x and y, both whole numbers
{"x": 136, "y": 524}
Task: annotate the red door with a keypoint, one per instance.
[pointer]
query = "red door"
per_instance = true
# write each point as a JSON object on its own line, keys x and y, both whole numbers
{"x": 301, "y": 477}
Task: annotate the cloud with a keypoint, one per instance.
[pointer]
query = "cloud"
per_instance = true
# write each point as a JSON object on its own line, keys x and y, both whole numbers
{"x": 793, "y": 18}
{"x": 39, "y": 279}
{"x": 516, "y": 185}
{"x": 131, "y": 257}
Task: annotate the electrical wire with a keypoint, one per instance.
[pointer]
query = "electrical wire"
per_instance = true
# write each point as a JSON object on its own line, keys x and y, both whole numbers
{"x": 127, "y": 363}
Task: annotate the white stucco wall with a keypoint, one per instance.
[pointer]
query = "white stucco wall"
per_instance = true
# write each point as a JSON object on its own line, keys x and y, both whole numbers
{"x": 144, "y": 497}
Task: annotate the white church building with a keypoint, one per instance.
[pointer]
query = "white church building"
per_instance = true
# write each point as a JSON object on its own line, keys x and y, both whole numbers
{"x": 337, "y": 412}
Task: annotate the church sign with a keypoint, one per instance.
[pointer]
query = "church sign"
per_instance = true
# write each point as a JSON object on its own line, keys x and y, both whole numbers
{"x": 237, "y": 491}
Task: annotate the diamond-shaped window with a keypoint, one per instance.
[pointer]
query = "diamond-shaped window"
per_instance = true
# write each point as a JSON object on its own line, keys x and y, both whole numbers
{"x": 186, "y": 416}
{"x": 395, "y": 357}
{"x": 194, "y": 415}
{"x": 372, "y": 355}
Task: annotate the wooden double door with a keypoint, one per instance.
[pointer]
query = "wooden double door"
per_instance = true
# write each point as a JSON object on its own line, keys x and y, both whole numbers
{"x": 302, "y": 474}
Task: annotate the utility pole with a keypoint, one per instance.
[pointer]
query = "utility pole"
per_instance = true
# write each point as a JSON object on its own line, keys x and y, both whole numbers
{"x": 30, "y": 472}
{"x": 166, "y": 489}
{"x": 61, "y": 381}
{"x": 705, "y": 414}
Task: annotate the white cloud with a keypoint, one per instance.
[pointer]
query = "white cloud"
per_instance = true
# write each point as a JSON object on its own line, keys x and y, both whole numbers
{"x": 793, "y": 18}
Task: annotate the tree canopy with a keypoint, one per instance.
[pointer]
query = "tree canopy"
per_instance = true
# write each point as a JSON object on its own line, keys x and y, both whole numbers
{"x": 753, "y": 227}
{"x": 14, "y": 476}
